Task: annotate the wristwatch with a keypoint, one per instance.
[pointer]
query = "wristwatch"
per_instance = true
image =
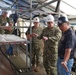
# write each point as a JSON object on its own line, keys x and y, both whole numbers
{"x": 64, "y": 62}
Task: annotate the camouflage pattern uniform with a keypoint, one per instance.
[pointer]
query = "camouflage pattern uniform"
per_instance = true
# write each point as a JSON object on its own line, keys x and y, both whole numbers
{"x": 50, "y": 49}
{"x": 37, "y": 46}
{"x": 3, "y": 22}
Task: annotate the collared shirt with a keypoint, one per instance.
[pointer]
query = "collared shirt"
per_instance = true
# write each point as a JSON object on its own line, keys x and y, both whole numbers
{"x": 68, "y": 40}
{"x": 54, "y": 35}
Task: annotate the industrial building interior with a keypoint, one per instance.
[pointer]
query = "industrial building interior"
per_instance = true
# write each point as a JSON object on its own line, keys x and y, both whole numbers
{"x": 20, "y": 62}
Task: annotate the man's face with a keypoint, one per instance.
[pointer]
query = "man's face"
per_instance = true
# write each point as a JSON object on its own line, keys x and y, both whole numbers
{"x": 36, "y": 23}
{"x": 62, "y": 26}
{"x": 4, "y": 14}
{"x": 50, "y": 24}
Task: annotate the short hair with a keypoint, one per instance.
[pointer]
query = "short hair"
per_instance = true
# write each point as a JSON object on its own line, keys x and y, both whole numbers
{"x": 4, "y": 12}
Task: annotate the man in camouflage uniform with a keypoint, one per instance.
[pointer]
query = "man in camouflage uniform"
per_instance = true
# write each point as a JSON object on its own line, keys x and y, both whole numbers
{"x": 5, "y": 29}
{"x": 37, "y": 44}
{"x": 51, "y": 36}
{"x": 3, "y": 21}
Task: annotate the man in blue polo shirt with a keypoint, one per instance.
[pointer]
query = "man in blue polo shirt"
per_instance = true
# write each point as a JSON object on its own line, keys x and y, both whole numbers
{"x": 66, "y": 47}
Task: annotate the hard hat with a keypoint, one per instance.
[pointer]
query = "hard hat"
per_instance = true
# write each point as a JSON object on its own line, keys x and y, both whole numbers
{"x": 36, "y": 19}
{"x": 62, "y": 20}
{"x": 49, "y": 18}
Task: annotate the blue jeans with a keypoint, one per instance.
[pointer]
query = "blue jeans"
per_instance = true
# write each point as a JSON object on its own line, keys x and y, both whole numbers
{"x": 61, "y": 70}
{"x": 9, "y": 49}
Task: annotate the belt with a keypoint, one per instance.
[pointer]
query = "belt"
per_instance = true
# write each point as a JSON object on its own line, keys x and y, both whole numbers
{"x": 63, "y": 58}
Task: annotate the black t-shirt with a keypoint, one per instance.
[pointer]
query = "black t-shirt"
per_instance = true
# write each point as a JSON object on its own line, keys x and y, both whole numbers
{"x": 68, "y": 40}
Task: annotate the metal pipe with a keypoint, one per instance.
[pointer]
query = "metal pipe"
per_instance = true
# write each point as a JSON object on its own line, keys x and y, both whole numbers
{"x": 15, "y": 26}
{"x": 44, "y": 5}
{"x": 30, "y": 33}
{"x": 30, "y": 10}
{"x": 58, "y": 6}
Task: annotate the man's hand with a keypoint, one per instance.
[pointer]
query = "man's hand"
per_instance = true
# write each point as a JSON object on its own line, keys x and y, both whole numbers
{"x": 8, "y": 28}
{"x": 64, "y": 64}
{"x": 34, "y": 35}
{"x": 29, "y": 36}
{"x": 45, "y": 38}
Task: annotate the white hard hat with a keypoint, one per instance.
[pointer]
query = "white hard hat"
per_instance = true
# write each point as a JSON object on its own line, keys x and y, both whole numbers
{"x": 49, "y": 18}
{"x": 36, "y": 19}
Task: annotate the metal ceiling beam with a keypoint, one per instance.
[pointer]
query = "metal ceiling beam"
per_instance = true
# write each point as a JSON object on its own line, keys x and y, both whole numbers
{"x": 58, "y": 6}
{"x": 6, "y": 3}
{"x": 31, "y": 10}
{"x": 23, "y": 3}
{"x": 11, "y": 0}
{"x": 26, "y": 2}
{"x": 44, "y": 5}
{"x": 15, "y": 2}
